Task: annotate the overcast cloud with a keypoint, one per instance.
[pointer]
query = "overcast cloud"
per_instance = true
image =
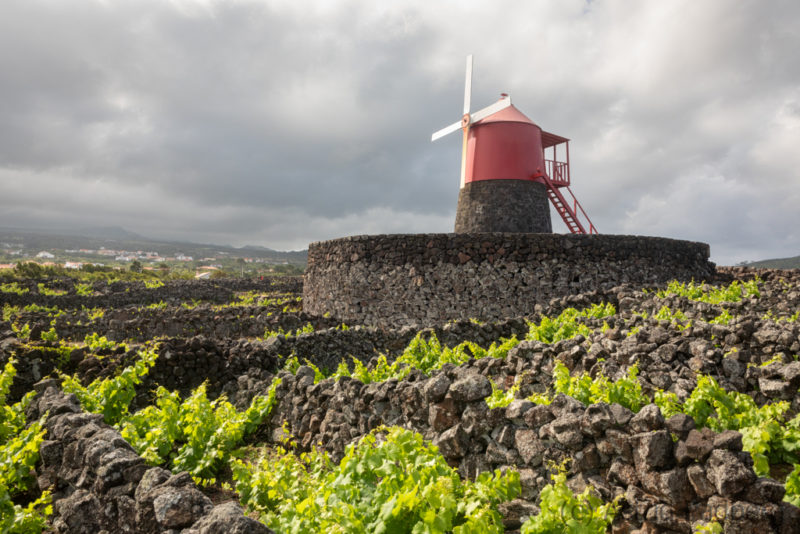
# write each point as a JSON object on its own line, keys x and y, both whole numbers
{"x": 285, "y": 122}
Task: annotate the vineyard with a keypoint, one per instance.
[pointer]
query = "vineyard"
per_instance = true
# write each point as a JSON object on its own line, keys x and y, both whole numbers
{"x": 220, "y": 406}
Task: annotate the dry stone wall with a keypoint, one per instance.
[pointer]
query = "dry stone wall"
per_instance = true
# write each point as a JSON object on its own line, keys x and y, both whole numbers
{"x": 391, "y": 280}
{"x": 503, "y": 206}
{"x": 118, "y": 294}
{"x": 101, "y": 486}
{"x": 667, "y": 473}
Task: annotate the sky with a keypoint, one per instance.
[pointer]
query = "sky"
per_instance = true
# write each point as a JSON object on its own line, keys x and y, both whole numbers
{"x": 279, "y": 123}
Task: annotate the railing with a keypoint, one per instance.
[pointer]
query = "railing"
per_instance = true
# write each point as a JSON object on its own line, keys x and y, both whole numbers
{"x": 558, "y": 171}
{"x": 567, "y": 212}
{"x": 577, "y": 206}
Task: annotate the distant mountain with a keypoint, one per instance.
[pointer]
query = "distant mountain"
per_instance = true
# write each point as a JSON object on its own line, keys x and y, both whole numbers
{"x": 777, "y": 263}
{"x": 116, "y": 238}
{"x": 109, "y": 232}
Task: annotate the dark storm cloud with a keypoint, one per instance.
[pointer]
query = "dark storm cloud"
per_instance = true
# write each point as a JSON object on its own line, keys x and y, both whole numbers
{"x": 279, "y": 123}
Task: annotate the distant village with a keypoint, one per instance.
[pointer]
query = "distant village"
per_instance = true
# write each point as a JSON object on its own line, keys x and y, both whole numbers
{"x": 148, "y": 260}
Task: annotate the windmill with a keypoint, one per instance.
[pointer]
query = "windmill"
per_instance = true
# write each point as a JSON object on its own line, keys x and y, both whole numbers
{"x": 510, "y": 168}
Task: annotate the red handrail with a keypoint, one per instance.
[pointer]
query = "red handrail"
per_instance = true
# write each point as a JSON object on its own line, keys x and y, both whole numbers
{"x": 577, "y": 206}
{"x": 558, "y": 171}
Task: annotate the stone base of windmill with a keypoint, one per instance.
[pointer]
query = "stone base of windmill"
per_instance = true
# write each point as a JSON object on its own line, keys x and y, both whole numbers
{"x": 426, "y": 279}
{"x": 519, "y": 206}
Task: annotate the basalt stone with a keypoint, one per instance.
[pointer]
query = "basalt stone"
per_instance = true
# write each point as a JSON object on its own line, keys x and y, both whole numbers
{"x": 530, "y": 447}
{"x": 79, "y": 513}
{"x": 516, "y": 512}
{"x": 654, "y": 450}
{"x": 453, "y": 443}
{"x": 727, "y": 472}
{"x": 765, "y": 490}
{"x": 728, "y": 439}
{"x": 697, "y": 445}
{"x": 227, "y": 518}
{"x": 180, "y": 507}
{"x": 667, "y": 518}
{"x": 648, "y": 418}
{"x": 699, "y": 481}
{"x": 436, "y": 388}
{"x": 390, "y": 280}
{"x": 503, "y": 206}
{"x": 680, "y": 424}
{"x": 471, "y": 388}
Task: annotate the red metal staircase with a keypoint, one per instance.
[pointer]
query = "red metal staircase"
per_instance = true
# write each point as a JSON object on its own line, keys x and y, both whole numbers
{"x": 567, "y": 212}
{"x": 570, "y": 210}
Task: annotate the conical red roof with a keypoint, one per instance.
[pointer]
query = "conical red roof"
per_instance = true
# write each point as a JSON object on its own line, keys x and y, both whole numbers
{"x": 509, "y": 114}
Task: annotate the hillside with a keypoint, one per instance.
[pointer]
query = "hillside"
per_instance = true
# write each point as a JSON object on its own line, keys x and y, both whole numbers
{"x": 34, "y": 241}
{"x": 777, "y": 263}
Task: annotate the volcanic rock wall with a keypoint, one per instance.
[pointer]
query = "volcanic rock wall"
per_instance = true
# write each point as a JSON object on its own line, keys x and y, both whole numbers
{"x": 503, "y": 206}
{"x": 100, "y": 484}
{"x": 406, "y": 279}
{"x": 118, "y": 294}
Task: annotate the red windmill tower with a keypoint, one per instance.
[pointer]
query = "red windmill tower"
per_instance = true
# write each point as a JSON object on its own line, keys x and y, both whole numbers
{"x": 510, "y": 167}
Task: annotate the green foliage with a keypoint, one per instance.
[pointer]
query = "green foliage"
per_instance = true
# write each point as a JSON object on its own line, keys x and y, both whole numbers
{"x": 19, "y": 452}
{"x": 60, "y": 352}
{"x": 423, "y": 354}
{"x": 152, "y": 284}
{"x": 44, "y": 290}
{"x": 501, "y": 399}
{"x": 307, "y": 329}
{"x": 765, "y": 435}
{"x": 734, "y": 292}
{"x": 50, "y": 335}
{"x": 711, "y": 527}
{"x": 568, "y": 323}
{"x": 195, "y": 435}
{"x": 248, "y": 298}
{"x": 495, "y": 350}
{"x": 395, "y": 485}
{"x": 22, "y": 332}
{"x": 564, "y": 512}
{"x": 723, "y": 318}
{"x": 84, "y": 290}
{"x": 160, "y": 305}
{"x": 677, "y": 317}
{"x": 792, "y": 485}
{"x": 95, "y": 342}
{"x": 12, "y": 418}
{"x": 778, "y": 358}
{"x": 9, "y": 311}
{"x": 625, "y": 391}
{"x": 13, "y": 287}
{"x": 190, "y": 305}
{"x": 427, "y": 355}
{"x": 94, "y": 313}
{"x": 111, "y": 396}
{"x": 29, "y": 269}
{"x": 770, "y": 316}
{"x": 34, "y": 308}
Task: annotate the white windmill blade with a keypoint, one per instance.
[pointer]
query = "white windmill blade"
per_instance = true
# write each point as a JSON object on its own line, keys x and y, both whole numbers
{"x": 468, "y": 85}
{"x": 490, "y": 109}
{"x": 446, "y": 130}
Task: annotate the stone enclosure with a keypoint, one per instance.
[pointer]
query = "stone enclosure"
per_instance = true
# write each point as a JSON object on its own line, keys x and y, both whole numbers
{"x": 406, "y": 279}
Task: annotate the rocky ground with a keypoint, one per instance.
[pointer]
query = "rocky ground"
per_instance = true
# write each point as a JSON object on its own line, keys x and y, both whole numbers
{"x": 667, "y": 474}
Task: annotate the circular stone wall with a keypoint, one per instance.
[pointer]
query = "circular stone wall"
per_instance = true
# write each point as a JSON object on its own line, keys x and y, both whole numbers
{"x": 503, "y": 206}
{"x": 429, "y": 278}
